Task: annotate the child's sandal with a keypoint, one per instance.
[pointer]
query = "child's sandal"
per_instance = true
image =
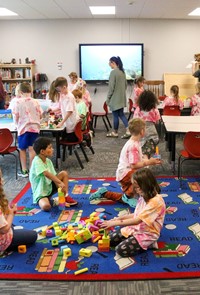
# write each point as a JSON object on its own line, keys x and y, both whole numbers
{"x": 112, "y": 134}
{"x": 98, "y": 194}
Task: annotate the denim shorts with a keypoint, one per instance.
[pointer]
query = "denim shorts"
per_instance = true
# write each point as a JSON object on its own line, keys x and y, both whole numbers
{"x": 27, "y": 139}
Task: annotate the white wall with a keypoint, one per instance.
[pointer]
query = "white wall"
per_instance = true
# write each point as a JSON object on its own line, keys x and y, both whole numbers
{"x": 169, "y": 45}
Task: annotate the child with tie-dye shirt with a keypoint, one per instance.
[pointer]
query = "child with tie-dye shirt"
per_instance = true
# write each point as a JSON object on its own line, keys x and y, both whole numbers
{"x": 141, "y": 229}
{"x": 195, "y": 101}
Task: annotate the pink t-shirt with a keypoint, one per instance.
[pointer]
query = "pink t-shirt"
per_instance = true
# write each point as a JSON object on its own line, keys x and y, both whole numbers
{"x": 136, "y": 93}
{"x": 151, "y": 116}
{"x": 195, "y": 104}
{"x": 131, "y": 153}
{"x": 152, "y": 215}
{"x": 26, "y": 114}
{"x": 67, "y": 103}
{"x": 170, "y": 101}
{"x": 5, "y": 239}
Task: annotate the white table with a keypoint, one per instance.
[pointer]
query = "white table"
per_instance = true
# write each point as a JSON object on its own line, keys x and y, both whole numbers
{"x": 56, "y": 131}
{"x": 179, "y": 124}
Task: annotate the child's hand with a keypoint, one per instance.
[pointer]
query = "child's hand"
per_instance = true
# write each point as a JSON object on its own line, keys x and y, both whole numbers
{"x": 107, "y": 224}
{"x": 12, "y": 209}
{"x": 59, "y": 125}
{"x": 63, "y": 187}
{"x": 154, "y": 161}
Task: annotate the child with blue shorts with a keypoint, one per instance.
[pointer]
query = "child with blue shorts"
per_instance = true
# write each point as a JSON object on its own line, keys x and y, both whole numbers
{"x": 27, "y": 114}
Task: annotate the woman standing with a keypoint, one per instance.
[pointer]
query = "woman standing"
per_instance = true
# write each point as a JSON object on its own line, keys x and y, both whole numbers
{"x": 116, "y": 98}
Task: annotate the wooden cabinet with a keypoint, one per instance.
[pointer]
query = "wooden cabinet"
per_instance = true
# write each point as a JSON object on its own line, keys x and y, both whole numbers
{"x": 12, "y": 74}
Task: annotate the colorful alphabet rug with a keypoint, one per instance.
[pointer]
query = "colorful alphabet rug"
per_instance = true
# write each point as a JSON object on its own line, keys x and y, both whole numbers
{"x": 71, "y": 245}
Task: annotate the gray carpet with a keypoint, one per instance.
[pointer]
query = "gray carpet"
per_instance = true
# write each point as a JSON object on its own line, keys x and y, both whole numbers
{"x": 102, "y": 164}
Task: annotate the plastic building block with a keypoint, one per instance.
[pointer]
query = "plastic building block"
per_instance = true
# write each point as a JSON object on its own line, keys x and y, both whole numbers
{"x": 67, "y": 252}
{"x": 54, "y": 242}
{"x": 83, "y": 236}
{"x": 78, "y": 272}
{"x": 49, "y": 233}
{"x": 85, "y": 252}
{"x": 22, "y": 248}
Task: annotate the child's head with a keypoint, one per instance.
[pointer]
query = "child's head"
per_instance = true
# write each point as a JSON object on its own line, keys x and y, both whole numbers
{"x": 3, "y": 200}
{"x": 136, "y": 126}
{"x": 61, "y": 85}
{"x": 53, "y": 94}
{"x": 197, "y": 87}
{"x": 41, "y": 144}
{"x": 140, "y": 81}
{"x": 145, "y": 183}
{"x": 174, "y": 90}
{"x": 25, "y": 88}
{"x": 77, "y": 94}
{"x": 147, "y": 101}
{"x": 73, "y": 77}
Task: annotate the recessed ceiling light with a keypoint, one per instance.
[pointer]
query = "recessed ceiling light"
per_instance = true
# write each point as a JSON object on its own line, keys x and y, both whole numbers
{"x": 6, "y": 12}
{"x": 195, "y": 12}
{"x": 102, "y": 9}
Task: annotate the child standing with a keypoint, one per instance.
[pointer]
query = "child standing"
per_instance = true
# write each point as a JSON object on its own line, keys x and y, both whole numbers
{"x": 137, "y": 90}
{"x": 141, "y": 229}
{"x": 43, "y": 177}
{"x": 195, "y": 101}
{"x": 67, "y": 105}
{"x": 11, "y": 238}
{"x": 130, "y": 160}
{"x": 147, "y": 110}
{"x": 27, "y": 114}
{"x": 80, "y": 107}
{"x": 173, "y": 99}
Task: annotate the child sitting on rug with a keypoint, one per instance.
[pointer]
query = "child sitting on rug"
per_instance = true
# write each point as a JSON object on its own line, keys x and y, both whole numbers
{"x": 141, "y": 229}
{"x": 130, "y": 160}
{"x": 43, "y": 177}
{"x": 11, "y": 238}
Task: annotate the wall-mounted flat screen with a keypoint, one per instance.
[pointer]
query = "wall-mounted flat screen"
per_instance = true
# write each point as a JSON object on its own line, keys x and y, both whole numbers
{"x": 94, "y": 59}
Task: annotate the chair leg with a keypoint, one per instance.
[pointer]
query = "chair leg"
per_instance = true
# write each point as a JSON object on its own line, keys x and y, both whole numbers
{"x": 108, "y": 121}
{"x": 64, "y": 153}
{"x": 95, "y": 121}
{"x": 84, "y": 153}
{"x": 105, "y": 124}
{"x": 16, "y": 165}
{"x": 78, "y": 158}
{"x": 92, "y": 150}
{"x": 130, "y": 114}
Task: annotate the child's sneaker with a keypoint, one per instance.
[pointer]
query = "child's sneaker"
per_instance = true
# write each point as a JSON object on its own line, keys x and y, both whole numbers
{"x": 23, "y": 173}
{"x": 70, "y": 201}
{"x": 98, "y": 194}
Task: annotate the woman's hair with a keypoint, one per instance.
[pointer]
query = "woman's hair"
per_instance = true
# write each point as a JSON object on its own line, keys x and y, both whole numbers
{"x": 25, "y": 87}
{"x": 197, "y": 86}
{"x": 77, "y": 92}
{"x": 73, "y": 75}
{"x": 41, "y": 143}
{"x": 147, "y": 101}
{"x": 60, "y": 82}
{"x": 117, "y": 60}
{"x": 175, "y": 91}
{"x": 147, "y": 183}
{"x": 136, "y": 125}
{"x": 53, "y": 93}
{"x": 3, "y": 200}
{"x": 17, "y": 90}
{"x": 139, "y": 80}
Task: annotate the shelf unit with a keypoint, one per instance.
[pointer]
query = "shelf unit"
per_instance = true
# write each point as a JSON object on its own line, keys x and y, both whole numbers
{"x": 12, "y": 74}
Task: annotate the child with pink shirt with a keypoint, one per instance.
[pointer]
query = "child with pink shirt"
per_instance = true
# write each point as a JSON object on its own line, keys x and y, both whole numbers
{"x": 130, "y": 160}
{"x": 27, "y": 114}
{"x": 195, "y": 101}
{"x": 67, "y": 105}
{"x": 137, "y": 90}
{"x": 140, "y": 230}
{"x": 147, "y": 110}
{"x": 173, "y": 99}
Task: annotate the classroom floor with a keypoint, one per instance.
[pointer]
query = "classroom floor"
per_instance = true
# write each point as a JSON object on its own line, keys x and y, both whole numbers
{"x": 102, "y": 164}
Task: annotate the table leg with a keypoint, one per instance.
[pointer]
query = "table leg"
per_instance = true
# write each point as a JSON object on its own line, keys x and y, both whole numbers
{"x": 173, "y": 150}
{"x": 58, "y": 160}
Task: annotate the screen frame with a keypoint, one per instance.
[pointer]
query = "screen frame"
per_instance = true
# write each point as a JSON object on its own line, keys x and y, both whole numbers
{"x": 109, "y": 44}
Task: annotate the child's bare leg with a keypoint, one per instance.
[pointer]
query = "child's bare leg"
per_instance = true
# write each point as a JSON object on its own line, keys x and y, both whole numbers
{"x": 63, "y": 176}
{"x": 44, "y": 204}
{"x": 31, "y": 155}
{"x": 22, "y": 154}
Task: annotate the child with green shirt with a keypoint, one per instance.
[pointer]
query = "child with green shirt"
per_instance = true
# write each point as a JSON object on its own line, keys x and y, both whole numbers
{"x": 43, "y": 177}
{"x": 80, "y": 107}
